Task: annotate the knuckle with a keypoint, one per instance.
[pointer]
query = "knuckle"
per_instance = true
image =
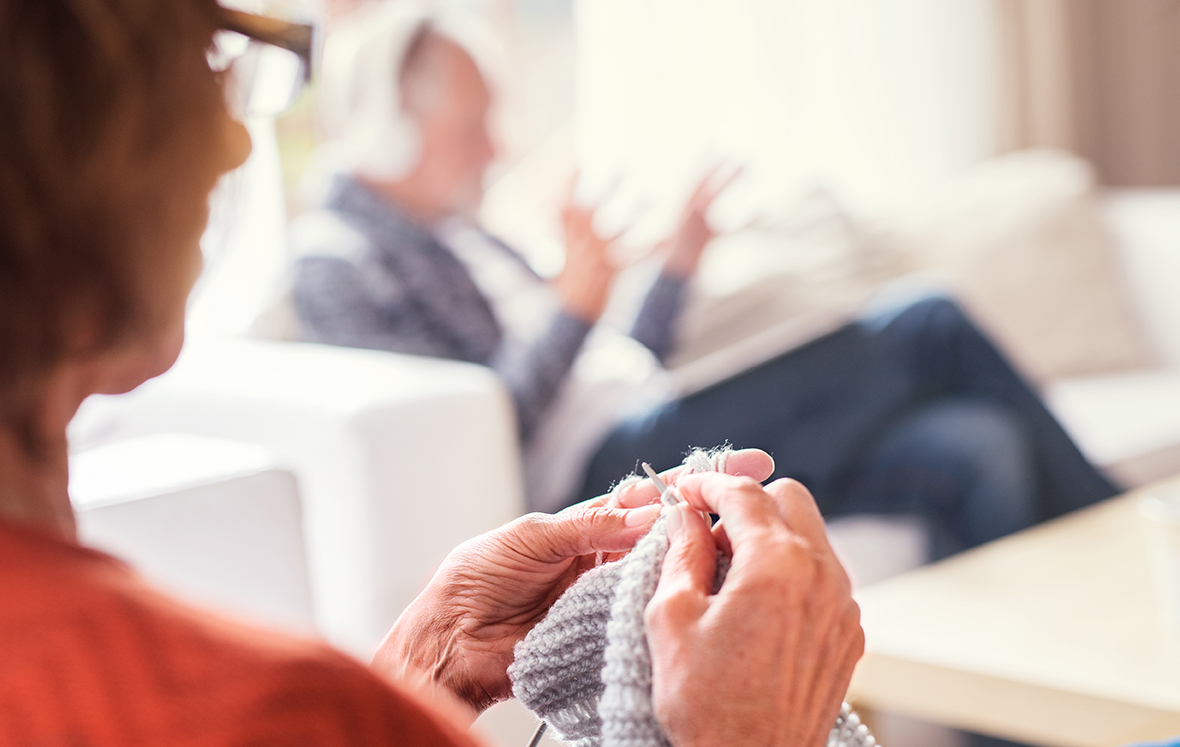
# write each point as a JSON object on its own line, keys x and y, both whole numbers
{"x": 787, "y": 492}
{"x": 540, "y": 527}
{"x": 746, "y": 483}
{"x": 835, "y": 580}
{"x": 762, "y": 538}
{"x": 852, "y": 616}
{"x": 851, "y": 633}
{"x": 828, "y": 596}
{"x": 787, "y": 487}
{"x": 737, "y": 488}
{"x": 858, "y": 642}
{"x": 746, "y": 488}
{"x": 793, "y": 551}
{"x": 594, "y": 513}
{"x": 531, "y": 522}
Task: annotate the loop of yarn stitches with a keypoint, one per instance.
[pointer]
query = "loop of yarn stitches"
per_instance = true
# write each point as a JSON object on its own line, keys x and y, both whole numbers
{"x": 586, "y": 668}
{"x": 626, "y": 708}
{"x": 556, "y": 672}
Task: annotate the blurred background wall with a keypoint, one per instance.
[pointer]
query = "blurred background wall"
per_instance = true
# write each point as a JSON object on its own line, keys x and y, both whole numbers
{"x": 876, "y": 100}
{"x": 871, "y": 100}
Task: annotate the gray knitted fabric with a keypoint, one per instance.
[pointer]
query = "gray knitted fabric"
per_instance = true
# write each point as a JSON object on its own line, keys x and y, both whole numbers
{"x": 586, "y": 668}
{"x": 557, "y": 672}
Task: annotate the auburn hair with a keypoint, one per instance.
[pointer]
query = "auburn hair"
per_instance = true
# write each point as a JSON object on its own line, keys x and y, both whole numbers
{"x": 104, "y": 105}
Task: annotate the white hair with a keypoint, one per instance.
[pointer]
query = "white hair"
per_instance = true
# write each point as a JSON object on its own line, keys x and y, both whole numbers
{"x": 361, "y": 99}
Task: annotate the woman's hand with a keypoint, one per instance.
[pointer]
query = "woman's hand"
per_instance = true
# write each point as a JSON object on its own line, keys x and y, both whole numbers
{"x": 767, "y": 660}
{"x": 459, "y": 634}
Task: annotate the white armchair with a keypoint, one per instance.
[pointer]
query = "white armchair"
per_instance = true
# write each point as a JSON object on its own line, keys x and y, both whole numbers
{"x": 398, "y": 458}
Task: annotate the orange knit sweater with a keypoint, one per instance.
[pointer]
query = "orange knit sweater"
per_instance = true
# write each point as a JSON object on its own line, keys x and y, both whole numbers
{"x": 90, "y": 655}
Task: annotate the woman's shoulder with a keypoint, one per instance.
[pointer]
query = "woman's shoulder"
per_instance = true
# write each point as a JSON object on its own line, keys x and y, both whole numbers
{"x": 81, "y": 634}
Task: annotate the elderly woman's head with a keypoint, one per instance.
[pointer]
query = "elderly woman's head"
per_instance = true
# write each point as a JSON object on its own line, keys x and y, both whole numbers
{"x": 113, "y": 132}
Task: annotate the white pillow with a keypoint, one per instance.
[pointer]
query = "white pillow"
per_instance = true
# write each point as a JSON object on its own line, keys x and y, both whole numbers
{"x": 760, "y": 293}
{"x": 1020, "y": 241}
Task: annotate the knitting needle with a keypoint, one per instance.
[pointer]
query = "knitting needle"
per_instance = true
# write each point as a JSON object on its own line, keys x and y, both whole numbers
{"x": 668, "y": 495}
{"x": 540, "y": 732}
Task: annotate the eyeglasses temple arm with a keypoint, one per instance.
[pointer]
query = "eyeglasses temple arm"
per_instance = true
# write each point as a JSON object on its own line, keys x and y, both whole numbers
{"x": 295, "y": 37}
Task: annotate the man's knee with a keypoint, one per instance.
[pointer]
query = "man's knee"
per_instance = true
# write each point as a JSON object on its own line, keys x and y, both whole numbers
{"x": 936, "y": 313}
{"x": 981, "y": 435}
{"x": 986, "y": 447}
{"x": 921, "y": 318}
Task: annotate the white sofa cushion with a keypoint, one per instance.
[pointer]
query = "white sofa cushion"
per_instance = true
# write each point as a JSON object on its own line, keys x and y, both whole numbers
{"x": 1144, "y": 225}
{"x": 1128, "y": 422}
{"x": 1021, "y": 241}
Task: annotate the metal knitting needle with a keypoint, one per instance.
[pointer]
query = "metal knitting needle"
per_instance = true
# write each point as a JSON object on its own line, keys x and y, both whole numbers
{"x": 540, "y": 732}
{"x": 668, "y": 495}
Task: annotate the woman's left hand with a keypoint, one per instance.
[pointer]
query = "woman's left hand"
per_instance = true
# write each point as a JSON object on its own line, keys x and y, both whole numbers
{"x": 459, "y": 634}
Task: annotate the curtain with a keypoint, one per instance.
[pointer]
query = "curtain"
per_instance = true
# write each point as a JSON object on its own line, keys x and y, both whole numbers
{"x": 1100, "y": 78}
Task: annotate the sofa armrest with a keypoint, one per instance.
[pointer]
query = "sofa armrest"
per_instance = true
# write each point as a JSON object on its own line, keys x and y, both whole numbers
{"x": 399, "y": 458}
{"x": 1144, "y": 226}
{"x": 209, "y": 520}
{"x": 1128, "y": 423}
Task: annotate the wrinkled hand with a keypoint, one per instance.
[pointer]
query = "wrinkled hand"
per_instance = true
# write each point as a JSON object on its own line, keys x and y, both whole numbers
{"x": 585, "y": 280}
{"x": 767, "y": 660}
{"x": 459, "y": 634}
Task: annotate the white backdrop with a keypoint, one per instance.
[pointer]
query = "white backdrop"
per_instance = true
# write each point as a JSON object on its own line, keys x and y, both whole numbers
{"x": 875, "y": 100}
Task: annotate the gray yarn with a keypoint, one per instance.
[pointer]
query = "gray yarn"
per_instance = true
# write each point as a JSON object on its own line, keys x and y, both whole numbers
{"x": 557, "y": 668}
{"x": 625, "y": 707}
{"x": 586, "y": 668}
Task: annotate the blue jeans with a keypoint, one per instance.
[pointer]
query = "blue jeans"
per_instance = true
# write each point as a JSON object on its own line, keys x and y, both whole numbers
{"x": 910, "y": 411}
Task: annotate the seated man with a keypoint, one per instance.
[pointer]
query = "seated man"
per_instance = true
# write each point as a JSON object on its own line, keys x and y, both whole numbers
{"x": 910, "y": 411}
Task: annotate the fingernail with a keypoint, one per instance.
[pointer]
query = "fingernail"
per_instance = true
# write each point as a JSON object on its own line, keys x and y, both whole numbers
{"x": 675, "y": 521}
{"x": 638, "y": 517}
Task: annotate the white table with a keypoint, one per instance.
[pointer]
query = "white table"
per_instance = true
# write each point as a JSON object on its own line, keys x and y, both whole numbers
{"x": 1051, "y": 636}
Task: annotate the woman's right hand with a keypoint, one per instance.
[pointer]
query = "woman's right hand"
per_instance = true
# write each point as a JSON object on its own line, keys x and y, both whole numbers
{"x": 767, "y": 660}
{"x": 585, "y": 280}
